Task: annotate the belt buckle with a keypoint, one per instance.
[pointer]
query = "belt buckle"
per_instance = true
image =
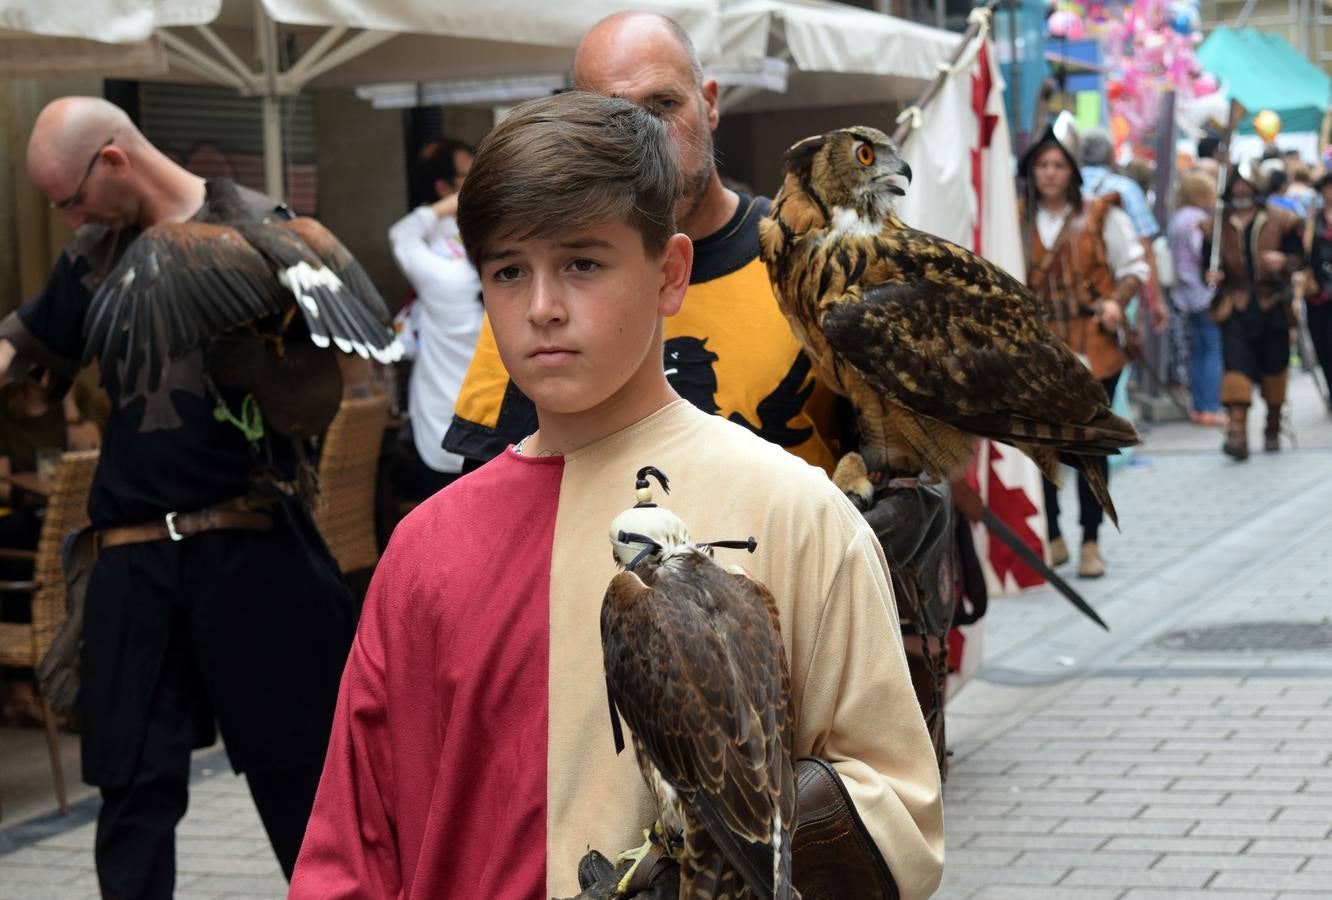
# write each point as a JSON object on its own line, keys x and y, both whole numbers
{"x": 171, "y": 527}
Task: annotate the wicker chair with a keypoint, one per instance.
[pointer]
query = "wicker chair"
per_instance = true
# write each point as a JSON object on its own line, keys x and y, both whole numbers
{"x": 23, "y": 644}
{"x": 347, "y": 469}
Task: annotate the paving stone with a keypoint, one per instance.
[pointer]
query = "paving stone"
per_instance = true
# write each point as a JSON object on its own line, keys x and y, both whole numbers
{"x": 1231, "y": 862}
{"x": 1184, "y": 894}
{"x": 1305, "y": 814}
{"x": 1098, "y": 859}
{"x": 1090, "y": 811}
{"x": 1175, "y": 845}
{"x": 1207, "y": 813}
{"x": 1009, "y": 892}
{"x": 1011, "y": 875}
{"x": 1161, "y": 798}
{"x": 1174, "y": 828}
{"x": 973, "y": 857}
{"x": 1313, "y": 881}
{"x": 1036, "y": 842}
{"x": 1004, "y": 825}
{"x": 217, "y": 885}
{"x": 1286, "y": 846}
{"x": 1278, "y": 829}
{"x": 1269, "y": 786}
{"x": 1157, "y": 878}
{"x": 16, "y": 873}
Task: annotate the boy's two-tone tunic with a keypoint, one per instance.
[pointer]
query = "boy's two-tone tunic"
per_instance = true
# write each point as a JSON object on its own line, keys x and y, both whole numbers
{"x": 472, "y": 753}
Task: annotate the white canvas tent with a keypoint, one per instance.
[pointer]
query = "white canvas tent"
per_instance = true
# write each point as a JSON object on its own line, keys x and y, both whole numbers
{"x": 785, "y": 54}
{"x": 322, "y": 43}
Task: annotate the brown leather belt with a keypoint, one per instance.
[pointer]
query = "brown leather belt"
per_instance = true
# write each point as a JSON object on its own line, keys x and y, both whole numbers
{"x": 240, "y": 514}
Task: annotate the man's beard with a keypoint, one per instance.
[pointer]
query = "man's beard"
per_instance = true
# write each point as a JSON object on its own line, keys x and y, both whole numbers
{"x": 695, "y": 183}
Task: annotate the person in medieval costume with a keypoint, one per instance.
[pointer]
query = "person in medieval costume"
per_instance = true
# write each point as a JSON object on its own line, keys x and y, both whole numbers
{"x": 212, "y": 601}
{"x": 1261, "y": 248}
{"x": 1085, "y": 260}
{"x": 731, "y": 352}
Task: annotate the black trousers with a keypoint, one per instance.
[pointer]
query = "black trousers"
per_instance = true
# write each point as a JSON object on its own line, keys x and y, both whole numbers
{"x": 135, "y": 849}
{"x": 1320, "y": 330}
{"x": 1090, "y": 514}
{"x": 242, "y": 632}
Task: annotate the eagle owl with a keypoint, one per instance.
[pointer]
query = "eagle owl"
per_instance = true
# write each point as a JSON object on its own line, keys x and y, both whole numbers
{"x": 930, "y": 343}
{"x": 695, "y": 664}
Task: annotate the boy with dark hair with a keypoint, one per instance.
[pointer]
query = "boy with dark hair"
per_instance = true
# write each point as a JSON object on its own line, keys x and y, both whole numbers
{"x": 472, "y": 755}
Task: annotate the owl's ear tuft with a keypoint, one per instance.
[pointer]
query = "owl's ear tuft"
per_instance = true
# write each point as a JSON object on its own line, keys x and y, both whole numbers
{"x": 799, "y": 160}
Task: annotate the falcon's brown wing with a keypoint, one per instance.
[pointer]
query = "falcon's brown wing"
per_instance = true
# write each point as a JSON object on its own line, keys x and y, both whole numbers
{"x": 697, "y": 669}
{"x": 953, "y": 337}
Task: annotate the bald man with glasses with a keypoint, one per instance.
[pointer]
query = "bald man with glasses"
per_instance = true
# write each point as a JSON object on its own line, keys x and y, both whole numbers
{"x": 212, "y": 603}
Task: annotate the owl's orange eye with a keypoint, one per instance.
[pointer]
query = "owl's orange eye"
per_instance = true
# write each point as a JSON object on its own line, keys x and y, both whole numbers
{"x": 865, "y": 155}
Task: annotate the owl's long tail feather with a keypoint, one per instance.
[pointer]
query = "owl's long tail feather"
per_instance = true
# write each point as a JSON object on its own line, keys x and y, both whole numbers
{"x": 1104, "y": 434}
{"x": 1090, "y": 467}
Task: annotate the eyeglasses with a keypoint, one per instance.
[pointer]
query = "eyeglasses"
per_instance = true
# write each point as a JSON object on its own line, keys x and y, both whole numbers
{"x": 77, "y": 197}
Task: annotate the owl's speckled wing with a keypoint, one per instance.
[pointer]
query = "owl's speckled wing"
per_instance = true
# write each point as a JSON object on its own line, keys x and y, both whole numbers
{"x": 695, "y": 664}
{"x": 951, "y": 336}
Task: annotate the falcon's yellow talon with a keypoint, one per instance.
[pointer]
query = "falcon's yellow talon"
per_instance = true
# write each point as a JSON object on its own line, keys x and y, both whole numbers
{"x": 637, "y": 855}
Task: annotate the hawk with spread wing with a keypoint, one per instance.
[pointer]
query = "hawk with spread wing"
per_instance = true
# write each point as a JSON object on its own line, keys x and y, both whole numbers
{"x": 930, "y": 343}
{"x": 181, "y": 286}
{"x": 695, "y": 664}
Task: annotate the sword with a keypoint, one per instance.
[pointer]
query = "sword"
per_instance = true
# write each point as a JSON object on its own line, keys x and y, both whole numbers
{"x": 969, "y": 502}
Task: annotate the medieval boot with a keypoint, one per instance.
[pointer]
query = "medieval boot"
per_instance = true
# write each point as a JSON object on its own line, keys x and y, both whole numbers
{"x": 1272, "y": 430}
{"x": 1090, "y": 564}
{"x": 1058, "y": 552}
{"x": 1237, "y": 433}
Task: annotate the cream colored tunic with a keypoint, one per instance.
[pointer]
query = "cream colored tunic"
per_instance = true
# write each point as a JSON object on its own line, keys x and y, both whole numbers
{"x": 853, "y": 697}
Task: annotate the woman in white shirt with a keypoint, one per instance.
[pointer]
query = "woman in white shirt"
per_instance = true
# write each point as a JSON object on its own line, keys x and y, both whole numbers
{"x": 1084, "y": 258}
{"x": 444, "y": 318}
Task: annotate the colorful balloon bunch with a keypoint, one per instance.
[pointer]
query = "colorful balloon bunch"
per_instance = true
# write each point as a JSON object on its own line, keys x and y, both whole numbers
{"x": 1147, "y": 47}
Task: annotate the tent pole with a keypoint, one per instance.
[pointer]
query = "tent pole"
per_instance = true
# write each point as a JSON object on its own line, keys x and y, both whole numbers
{"x": 292, "y": 82}
{"x": 202, "y": 61}
{"x": 266, "y": 34}
{"x": 317, "y": 50}
{"x": 242, "y": 71}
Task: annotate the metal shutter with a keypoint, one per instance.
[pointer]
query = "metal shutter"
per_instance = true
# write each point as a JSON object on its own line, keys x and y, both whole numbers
{"x": 214, "y": 131}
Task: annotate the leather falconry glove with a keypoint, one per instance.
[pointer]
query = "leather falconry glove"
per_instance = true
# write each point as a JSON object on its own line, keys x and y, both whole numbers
{"x": 833, "y": 855}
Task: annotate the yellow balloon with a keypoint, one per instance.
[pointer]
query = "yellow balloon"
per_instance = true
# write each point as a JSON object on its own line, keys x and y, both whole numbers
{"x": 1267, "y": 124}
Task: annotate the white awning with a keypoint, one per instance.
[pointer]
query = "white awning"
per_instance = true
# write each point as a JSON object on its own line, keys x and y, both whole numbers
{"x": 838, "y": 54}
{"x": 106, "y": 21}
{"x": 510, "y": 22}
{"x": 338, "y": 43}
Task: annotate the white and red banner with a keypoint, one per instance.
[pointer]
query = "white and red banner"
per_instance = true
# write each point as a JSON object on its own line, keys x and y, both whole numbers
{"x": 963, "y": 190}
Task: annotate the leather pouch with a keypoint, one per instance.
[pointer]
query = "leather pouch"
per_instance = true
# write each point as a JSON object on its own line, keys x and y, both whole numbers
{"x": 833, "y": 856}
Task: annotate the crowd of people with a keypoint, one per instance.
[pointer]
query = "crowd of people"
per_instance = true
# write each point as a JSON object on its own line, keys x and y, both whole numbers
{"x": 469, "y": 692}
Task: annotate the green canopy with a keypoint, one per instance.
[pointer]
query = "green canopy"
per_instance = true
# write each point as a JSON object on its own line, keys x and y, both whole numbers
{"x": 1262, "y": 71}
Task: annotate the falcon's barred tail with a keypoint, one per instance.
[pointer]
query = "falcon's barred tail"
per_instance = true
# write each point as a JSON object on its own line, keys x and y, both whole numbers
{"x": 1090, "y": 467}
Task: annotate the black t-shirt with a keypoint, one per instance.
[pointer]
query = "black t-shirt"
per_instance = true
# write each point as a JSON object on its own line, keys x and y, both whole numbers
{"x": 141, "y": 475}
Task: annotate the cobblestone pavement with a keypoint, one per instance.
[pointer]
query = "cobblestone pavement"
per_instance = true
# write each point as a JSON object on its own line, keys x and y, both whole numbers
{"x": 1094, "y": 766}
{"x": 1086, "y": 765}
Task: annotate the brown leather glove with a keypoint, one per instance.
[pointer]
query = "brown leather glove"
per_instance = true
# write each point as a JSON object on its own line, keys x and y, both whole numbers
{"x": 833, "y": 856}
{"x": 657, "y": 878}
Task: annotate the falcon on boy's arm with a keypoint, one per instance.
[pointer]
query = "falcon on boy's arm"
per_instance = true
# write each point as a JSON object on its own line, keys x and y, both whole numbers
{"x": 486, "y": 766}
